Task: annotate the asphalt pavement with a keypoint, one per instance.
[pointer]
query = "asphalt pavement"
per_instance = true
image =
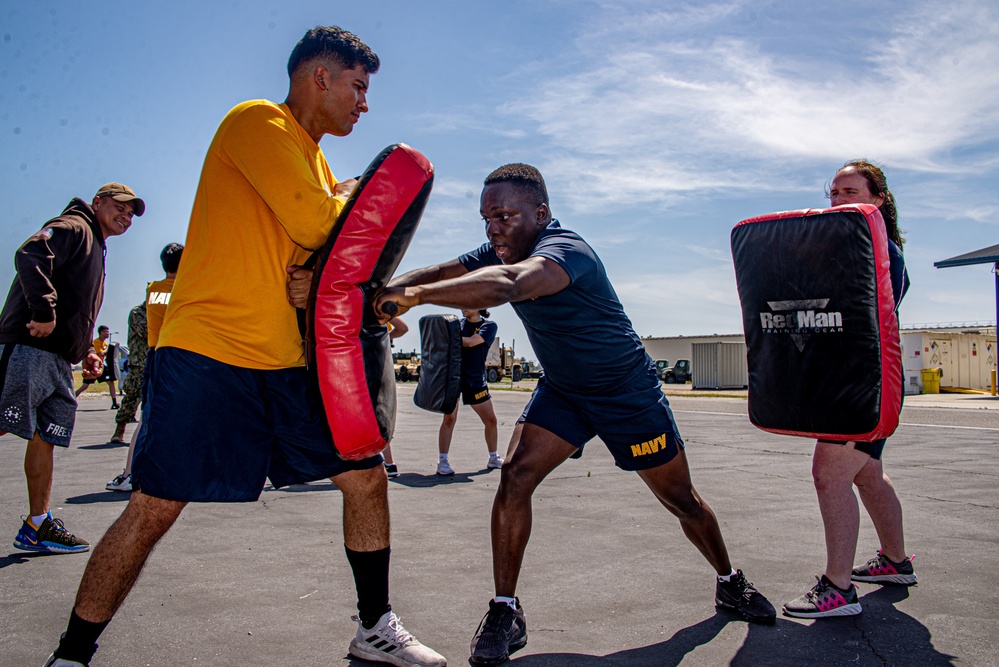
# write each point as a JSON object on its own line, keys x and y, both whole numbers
{"x": 608, "y": 580}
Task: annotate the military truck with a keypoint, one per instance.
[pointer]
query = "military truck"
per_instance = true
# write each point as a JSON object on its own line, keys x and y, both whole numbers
{"x": 407, "y": 365}
{"x": 501, "y": 363}
{"x": 532, "y": 369}
{"x": 678, "y": 373}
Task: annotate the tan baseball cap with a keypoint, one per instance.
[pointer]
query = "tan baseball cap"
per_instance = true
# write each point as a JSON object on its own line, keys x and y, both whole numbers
{"x": 120, "y": 192}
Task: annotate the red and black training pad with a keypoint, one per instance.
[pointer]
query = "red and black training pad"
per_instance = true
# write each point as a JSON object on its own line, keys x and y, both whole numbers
{"x": 821, "y": 332}
{"x": 440, "y": 363}
{"x": 346, "y": 345}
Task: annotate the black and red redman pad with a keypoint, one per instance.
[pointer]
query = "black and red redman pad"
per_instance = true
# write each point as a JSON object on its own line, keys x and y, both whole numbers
{"x": 821, "y": 332}
{"x": 346, "y": 346}
{"x": 438, "y": 388}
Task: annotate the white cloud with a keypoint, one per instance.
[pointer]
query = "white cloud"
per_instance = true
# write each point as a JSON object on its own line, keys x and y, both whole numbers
{"x": 658, "y": 114}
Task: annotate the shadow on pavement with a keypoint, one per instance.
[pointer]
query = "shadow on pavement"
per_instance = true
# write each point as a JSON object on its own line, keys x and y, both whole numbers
{"x": 670, "y": 652}
{"x": 303, "y": 488}
{"x": 100, "y": 497}
{"x": 416, "y": 480}
{"x": 21, "y": 557}
{"x": 882, "y": 635}
{"x": 105, "y": 445}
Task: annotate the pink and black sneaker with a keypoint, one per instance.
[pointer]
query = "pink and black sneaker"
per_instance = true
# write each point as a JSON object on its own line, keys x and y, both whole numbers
{"x": 882, "y": 570}
{"x": 825, "y": 599}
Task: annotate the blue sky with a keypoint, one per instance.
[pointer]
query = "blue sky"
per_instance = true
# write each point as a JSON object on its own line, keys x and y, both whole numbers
{"x": 658, "y": 125}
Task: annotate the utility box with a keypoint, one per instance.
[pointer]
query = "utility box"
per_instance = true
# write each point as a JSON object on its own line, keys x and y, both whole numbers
{"x": 931, "y": 380}
{"x": 720, "y": 365}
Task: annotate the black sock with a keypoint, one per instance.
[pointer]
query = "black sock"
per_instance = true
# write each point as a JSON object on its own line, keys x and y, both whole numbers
{"x": 79, "y": 642}
{"x": 371, "y": 578}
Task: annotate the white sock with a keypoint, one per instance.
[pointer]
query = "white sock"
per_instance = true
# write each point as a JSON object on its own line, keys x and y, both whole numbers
{"x": 494, "y": 455}
{"x": 37, "y": 520}
{"x": 443, "y": 458}
{"x": 728, "y": 577}
{"x": 512, "y": 602}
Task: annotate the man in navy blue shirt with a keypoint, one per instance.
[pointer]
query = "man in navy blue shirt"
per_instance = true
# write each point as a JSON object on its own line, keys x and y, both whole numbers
{"x": 477, "y": 335}
{"x": 560, "y": 290}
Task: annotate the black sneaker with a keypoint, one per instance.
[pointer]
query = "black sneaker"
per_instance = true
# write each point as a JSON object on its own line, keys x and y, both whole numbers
{"x": 739, "y": 595}
{"x": 502, "y": 632}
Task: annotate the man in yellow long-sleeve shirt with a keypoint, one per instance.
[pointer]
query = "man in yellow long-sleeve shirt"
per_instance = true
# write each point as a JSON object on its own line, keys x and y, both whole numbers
{"x": 230, "y": 338}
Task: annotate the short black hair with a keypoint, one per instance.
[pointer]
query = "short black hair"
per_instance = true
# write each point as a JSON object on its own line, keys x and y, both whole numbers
{"x": 524, "y": 176}
{"x": 170, "y": 257}
{"x": 103, "y": 327}
{"x": 335, "y": 43}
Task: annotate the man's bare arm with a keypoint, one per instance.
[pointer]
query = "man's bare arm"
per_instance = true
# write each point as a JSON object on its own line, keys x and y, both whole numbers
{"x": 483, "y": 288}
{"x": 300, "y": 280}
{"x": 430, "y": 274}
{"x": 472, "y": 341}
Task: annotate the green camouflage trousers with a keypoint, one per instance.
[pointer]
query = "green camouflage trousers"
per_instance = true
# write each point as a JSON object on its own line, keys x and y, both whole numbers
{"x": 138, "y": 347}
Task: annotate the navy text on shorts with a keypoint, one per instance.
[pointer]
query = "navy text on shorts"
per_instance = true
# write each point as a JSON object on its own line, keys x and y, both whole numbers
{"x": 633, "y": 418}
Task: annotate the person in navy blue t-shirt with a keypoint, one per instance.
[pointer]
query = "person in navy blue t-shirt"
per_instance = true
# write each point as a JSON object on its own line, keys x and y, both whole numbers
{"x": 560, "y": 290}
{"x": 477, "y": 334}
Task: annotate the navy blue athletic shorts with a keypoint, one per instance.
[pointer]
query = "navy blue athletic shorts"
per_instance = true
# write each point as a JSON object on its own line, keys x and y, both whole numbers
{"x": 474, "y": 395}
{"x": 873, "y": 449}
{"x": 212, "y": 432}
{"x": 634, "y": 420}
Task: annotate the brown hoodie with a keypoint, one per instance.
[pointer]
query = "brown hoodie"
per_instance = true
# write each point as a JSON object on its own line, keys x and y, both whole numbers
{"x": 60, "y": 276}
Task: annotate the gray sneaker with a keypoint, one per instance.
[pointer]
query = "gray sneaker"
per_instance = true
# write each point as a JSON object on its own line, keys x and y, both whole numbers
{"x": 444, "y": 468}
{"x": 389, "y": 642}
{"x": 883, "y": 570}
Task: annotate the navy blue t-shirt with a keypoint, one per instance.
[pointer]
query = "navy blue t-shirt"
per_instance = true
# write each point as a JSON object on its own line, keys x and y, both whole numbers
{"x": 582, "y": 336}
{"x": 899, "y": 276}
{"x": 473, "y": 359}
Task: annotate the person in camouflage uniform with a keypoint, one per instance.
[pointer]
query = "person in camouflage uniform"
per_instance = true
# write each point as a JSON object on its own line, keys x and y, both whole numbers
{"x": 138, "y": 346}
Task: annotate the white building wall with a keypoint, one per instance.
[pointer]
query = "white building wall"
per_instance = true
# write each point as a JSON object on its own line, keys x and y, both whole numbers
{"x": 966, "y": 358}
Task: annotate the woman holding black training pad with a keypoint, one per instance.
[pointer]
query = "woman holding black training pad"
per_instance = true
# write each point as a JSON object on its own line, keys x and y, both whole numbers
{"x": 838, "y": 466}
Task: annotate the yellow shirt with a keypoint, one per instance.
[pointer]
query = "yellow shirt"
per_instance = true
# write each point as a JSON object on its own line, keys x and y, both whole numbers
{"x": 157, "y": 300}
{"x": 100, "y": 347}
{"x": 264, "y": 202}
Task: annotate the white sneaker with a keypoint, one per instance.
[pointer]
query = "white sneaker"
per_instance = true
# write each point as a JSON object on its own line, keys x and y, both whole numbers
{"x": 444, "y": 468}
{"x": 495, "y": 463}
{"x": 122, "y": 482}
{"x": 389, "y": 642}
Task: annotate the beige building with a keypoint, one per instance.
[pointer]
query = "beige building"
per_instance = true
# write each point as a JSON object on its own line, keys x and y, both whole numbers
{"x": 965, "y": 356}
